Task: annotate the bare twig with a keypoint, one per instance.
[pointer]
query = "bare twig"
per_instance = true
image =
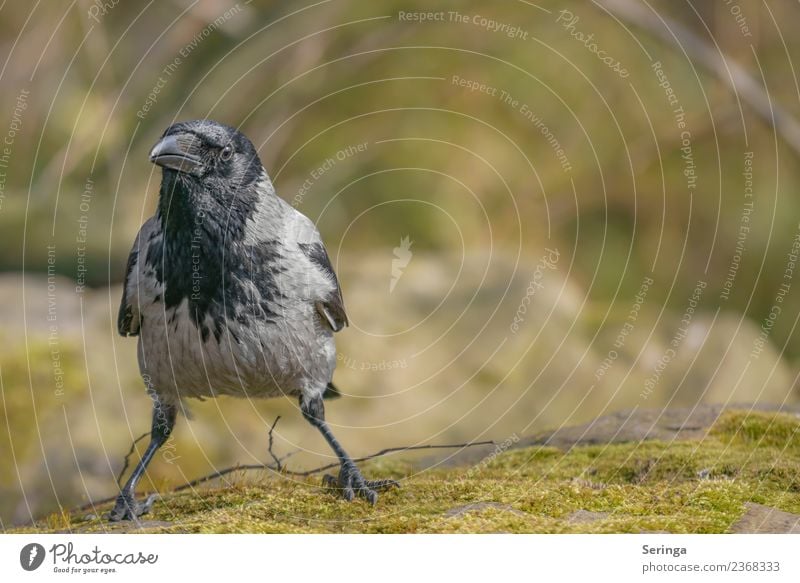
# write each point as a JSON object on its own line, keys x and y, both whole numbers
{"x": 277, "y": 460}
{"x": 389, "y": 450}
{"x": 128, "y": 457}
{"x": 306, "y": 473}
{"x": 728, "y": 71}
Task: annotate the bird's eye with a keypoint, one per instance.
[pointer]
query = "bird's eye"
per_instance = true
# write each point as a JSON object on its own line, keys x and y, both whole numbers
{"x": 227, "y": 153}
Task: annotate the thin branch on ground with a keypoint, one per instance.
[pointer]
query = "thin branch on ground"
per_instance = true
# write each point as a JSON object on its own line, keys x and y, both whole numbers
{"x": 277, "y": 460}
{"x": 306, "y": 473}
{"x": 278, "y": 466}
{"x": 128, "y": 457}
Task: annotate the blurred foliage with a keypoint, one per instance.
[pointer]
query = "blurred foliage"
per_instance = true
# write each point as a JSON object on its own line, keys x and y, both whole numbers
{"x": 473, "y": 182}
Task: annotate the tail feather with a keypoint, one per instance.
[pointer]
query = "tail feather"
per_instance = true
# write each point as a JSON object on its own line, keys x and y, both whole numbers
{"x": 331, "y": 392}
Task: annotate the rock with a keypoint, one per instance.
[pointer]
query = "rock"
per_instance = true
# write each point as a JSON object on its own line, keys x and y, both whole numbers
{"x": 760, "y": 519}
{"x": 580, "y": 516}
{"x": 641, "y": 424}
{"x": 621, "y": 427}
{"x": 478, "y": 506}
{"x": 469, "y": 456}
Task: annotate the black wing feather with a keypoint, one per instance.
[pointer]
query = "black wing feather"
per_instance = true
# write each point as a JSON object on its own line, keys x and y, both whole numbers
{"x": 332, "y": 307}
{"x": 125, "y": 319}
{"x": 129, "y": 319}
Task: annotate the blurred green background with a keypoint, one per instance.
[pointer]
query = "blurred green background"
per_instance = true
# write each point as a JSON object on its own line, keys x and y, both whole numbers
{"x": 573, "y": 251}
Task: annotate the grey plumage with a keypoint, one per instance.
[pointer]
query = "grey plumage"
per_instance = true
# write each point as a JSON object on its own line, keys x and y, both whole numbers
{"x": 262, "y": 347}
{"x": 230, "y": 291}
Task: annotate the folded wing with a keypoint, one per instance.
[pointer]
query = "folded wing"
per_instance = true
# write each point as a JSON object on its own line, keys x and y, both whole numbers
{"x": 129, "y": 318}
{"x": 331, "y": 308}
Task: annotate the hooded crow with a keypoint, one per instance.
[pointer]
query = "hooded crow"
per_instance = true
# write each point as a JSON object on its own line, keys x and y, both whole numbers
{"x": 231, "y": 292}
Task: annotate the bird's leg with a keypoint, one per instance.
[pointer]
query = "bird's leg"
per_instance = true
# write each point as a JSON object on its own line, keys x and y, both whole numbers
{"x": 127, "y": 508}
{"x": 350, "y": 481}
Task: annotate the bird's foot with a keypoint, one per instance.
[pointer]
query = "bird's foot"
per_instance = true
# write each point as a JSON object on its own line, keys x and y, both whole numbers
{"x": 351, "y": 483}
{"x": 127, "y": 508}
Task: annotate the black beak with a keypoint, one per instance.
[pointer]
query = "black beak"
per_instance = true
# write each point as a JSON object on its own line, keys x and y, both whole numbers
{"x": 178, "y": 152}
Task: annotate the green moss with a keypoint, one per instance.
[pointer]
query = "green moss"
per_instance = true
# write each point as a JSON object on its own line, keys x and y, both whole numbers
{"x": 684, "y": 487}
{"x": 32, "y": 396}
{"x": 778, "y": 430}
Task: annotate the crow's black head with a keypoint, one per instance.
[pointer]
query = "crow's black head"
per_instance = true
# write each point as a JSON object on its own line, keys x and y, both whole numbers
{"x": 207, "y": 154}
{"x": 212, "y": 178}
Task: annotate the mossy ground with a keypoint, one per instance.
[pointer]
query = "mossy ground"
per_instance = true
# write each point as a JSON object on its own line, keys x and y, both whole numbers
{"x": 698, "y": 486}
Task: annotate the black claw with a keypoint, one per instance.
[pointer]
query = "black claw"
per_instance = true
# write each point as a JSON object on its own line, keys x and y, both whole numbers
{"x": 383, "y": 484}
{"x": 351, "y": 483}
{"x": 127, "y": 508}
